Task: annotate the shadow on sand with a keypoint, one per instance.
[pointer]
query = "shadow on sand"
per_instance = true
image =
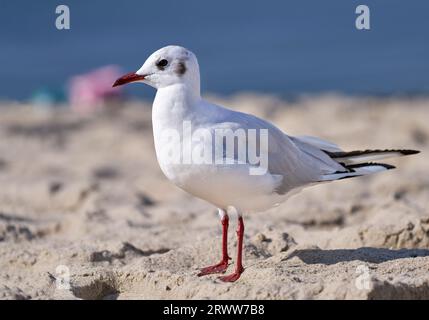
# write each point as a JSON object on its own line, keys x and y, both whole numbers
{"x": 364, "y": 254}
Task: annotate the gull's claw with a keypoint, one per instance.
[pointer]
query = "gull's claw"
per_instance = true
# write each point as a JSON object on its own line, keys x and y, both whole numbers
{"x": 232, "y": 277}
{"x": 217, "y": 268}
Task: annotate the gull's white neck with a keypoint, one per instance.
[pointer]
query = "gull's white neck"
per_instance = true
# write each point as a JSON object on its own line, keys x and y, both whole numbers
{"x": 175, "y": 104}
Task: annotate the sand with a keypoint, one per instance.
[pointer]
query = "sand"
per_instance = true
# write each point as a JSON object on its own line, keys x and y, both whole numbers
{"x": 86, "y": 193}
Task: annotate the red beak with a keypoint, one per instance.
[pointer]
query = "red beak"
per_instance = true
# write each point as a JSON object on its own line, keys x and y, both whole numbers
{"x": 129, "y": 77}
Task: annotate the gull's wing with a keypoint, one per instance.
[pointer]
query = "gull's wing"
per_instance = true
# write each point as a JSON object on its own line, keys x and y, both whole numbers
{"x": 295, "y": 159}
{"x": 301, "y": 161}
{"x": 317, "y": 142}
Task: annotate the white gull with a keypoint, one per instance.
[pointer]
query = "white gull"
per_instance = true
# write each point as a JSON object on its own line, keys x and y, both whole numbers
{"x": 228, "y": 180}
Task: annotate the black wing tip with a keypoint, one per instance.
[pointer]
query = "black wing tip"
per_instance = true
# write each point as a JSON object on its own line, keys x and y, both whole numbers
{"x": 341, "y": 154}
{"x": 352, "y": 167}
{"x": 387, "y": 166}
{"x": 407, "y": 152}
{"x": 369, "y": 164}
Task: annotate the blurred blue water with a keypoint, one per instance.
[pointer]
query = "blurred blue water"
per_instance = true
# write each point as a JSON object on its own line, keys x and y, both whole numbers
{"x": 281, "y": 47}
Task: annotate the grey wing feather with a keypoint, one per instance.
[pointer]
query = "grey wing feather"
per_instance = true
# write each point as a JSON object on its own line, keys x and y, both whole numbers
{"x": 317, "y": 142}
{"x": 299, "y": 160}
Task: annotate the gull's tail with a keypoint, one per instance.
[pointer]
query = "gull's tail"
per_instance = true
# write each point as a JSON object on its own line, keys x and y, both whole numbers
{"x": 358, "y": 163}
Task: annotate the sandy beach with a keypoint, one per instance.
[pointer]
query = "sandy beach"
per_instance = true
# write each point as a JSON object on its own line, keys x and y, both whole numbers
{"x": 86, "y": 193}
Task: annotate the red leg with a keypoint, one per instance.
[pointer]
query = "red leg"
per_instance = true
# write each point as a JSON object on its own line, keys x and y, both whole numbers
{"x": 239, "y": 264}
{"x": 223, "y": 264}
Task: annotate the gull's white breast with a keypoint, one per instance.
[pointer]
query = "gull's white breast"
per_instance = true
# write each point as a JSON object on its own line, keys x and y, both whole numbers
{"x": 220, "y": 184}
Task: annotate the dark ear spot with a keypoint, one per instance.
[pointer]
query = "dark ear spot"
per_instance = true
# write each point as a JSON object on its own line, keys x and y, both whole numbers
{"x": 181, "y": 68}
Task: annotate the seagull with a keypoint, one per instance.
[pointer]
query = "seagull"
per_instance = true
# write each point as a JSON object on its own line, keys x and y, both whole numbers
{"x": 227, "y": 179}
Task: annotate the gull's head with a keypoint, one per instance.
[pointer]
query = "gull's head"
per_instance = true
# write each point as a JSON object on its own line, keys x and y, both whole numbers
{"x": 165, "y": 67}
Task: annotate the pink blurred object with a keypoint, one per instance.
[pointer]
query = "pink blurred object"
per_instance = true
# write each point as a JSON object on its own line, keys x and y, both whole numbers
{"x": 89, "y": 92}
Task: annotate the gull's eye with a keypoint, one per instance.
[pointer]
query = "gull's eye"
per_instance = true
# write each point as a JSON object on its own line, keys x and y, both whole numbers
{"x": 162, "y": 63}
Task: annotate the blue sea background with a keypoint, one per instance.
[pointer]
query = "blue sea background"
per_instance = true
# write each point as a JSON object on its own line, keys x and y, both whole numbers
{"x": 286, "y": 48}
